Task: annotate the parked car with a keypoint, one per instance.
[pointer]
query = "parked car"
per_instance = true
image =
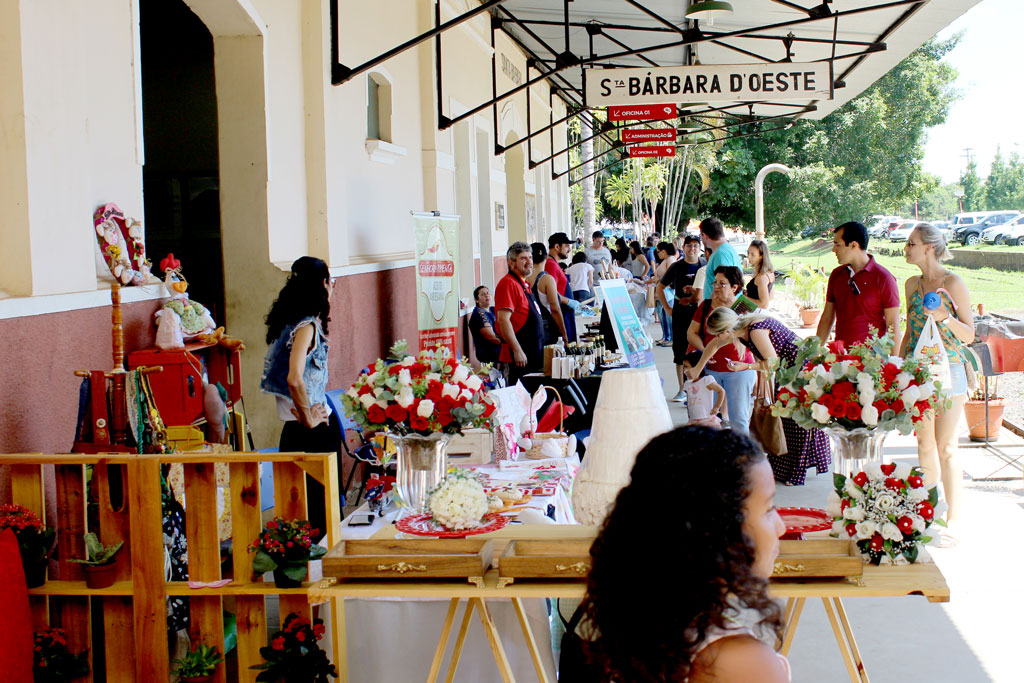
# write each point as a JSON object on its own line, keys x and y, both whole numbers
{"x": 971, "y": 234}
{"x": 1011, "y": 233}
{"x": 879, "y": 226}
{"x": 901, "y": 232}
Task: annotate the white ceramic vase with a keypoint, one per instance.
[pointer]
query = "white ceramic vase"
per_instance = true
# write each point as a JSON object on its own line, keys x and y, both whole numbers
{"x": 630, "y": 411}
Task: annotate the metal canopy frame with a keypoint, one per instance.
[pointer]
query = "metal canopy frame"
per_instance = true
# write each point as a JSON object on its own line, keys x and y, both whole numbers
{"x": 558, "y": 60}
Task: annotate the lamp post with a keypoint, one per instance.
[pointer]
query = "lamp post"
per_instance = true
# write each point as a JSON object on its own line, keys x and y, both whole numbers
{"x": 759, "y": 196}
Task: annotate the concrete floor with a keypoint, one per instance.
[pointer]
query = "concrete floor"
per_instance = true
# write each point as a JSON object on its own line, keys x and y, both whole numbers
{"x": 970, "y": 639}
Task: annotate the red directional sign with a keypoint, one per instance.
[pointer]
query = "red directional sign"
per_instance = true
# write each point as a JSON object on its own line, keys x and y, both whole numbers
{"x": 655, "y": 151}
{"x": 642, "y": 112}
{"x": 648, "y": 134}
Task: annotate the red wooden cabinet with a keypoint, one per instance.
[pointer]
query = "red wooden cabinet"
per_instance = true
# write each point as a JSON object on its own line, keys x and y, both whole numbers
{"x": 178, "y": 390}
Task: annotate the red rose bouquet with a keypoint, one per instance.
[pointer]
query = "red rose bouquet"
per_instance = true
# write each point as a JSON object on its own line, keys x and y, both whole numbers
{"x": 863, "y": 387}
{"x": 887, "y": 510}
{"x": 422, "y": 394}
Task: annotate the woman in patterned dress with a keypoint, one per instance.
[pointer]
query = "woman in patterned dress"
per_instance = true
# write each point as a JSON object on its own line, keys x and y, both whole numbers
{"x": 767, "y": 338}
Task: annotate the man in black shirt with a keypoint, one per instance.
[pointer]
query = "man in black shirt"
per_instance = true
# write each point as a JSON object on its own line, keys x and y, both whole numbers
{"x": 680, "y": 276}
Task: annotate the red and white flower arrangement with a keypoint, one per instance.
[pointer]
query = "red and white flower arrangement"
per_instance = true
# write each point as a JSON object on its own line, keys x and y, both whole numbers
{"x": 863, "y": 387}
{"x": 887, "y": 510}
{"x": 422, "y": 394}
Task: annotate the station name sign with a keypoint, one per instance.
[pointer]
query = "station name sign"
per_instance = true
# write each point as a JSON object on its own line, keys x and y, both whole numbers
{"x": 707, "y": 83}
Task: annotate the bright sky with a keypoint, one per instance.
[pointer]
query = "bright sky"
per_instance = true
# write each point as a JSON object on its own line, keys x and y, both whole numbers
{"x": 990, "y": 112}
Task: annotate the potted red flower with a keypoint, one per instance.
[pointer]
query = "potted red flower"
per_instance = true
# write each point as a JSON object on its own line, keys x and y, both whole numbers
{"x": 35, "y": 541}
{"x": 285, "y": 547}
{"x": 294, "y": 656}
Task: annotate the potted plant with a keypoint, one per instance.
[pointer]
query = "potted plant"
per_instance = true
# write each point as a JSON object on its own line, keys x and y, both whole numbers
{"x": 808, "y": 286}
{"x": 35, "y": 541}
{"x": 100, "y": 563}
{"x": 294, "y": 656}
{"x": 974, "y": 411}
{"x": 285, "y": 547}
{"x": 198, "y": 664}
{"x": 52, "y": 661}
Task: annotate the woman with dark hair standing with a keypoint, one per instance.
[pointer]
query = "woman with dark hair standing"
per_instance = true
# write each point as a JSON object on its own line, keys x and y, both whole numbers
{"x": 295, "y": 370}
{"x": 760, "y": 286}
{"x": 708, "y": 628}
{"x": 639, "y": 265}
{"x": 738, "y": 383}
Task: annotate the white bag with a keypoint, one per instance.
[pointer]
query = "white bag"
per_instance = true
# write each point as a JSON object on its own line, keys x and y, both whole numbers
{"x": 930, "y": 347}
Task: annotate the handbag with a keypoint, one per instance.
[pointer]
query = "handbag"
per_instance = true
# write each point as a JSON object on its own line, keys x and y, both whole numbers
{"x": 930, "y": 348}
{"x": 764, "y": 426}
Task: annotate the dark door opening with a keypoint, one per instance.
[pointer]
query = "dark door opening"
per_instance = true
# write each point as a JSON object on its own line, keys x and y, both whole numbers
{"x": 180, "y": 176}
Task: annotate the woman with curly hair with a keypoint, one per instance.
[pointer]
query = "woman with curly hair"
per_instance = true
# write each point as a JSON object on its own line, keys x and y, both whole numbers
{"x": 295, "y": 370}
{"x": 706, "y": 625}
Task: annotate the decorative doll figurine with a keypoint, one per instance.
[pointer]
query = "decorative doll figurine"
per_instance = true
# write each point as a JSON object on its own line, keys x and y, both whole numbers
{"x": 121, "y": 243}
{"x": 181, "y": 320}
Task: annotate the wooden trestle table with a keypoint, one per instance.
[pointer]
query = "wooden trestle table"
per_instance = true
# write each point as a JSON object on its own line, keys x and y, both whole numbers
{"x": 877, "y": 582}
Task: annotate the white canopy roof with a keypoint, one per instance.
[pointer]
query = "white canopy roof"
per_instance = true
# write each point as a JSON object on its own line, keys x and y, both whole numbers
{"x": 862, "y": 28}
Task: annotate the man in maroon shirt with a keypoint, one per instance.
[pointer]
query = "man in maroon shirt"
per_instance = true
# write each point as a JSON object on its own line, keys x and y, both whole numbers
{"x": 559, "y": 248}
{"x": 861, "y": 293}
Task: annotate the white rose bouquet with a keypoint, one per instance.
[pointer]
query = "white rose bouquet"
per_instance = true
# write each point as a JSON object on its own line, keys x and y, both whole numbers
{"x": 887, "y": 510}
{"x": 458, "y": 502}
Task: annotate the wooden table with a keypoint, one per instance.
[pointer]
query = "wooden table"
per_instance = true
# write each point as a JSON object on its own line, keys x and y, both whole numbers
{"x": 919, "y": 579}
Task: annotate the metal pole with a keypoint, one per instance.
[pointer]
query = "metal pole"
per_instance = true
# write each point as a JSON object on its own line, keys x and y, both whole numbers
{"x": 759, "y": 195}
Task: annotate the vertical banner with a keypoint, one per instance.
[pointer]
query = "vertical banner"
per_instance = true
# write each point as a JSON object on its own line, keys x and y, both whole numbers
{"x": 629, "y": 333}
{"x": 437, "y": 279}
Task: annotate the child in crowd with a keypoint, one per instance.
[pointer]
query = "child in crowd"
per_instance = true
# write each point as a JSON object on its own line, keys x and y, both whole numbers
{"x": 705, "y": 398}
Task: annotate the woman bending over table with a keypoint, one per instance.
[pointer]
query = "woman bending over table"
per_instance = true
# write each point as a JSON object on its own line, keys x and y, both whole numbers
{"x": 737, "y": 382}
{"x": 936, "y": 435}
{"x": 767, "y": 338}
{"x": 704, "y": 623}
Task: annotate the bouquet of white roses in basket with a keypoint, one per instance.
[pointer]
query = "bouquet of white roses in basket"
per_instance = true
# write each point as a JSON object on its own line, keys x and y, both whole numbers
{"x": 860, "y": 387}
{"x": 422, "y": 394}
{"x": 887, "y": 510}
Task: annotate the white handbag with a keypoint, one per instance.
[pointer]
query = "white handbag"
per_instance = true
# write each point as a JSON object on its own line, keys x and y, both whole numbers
{"x": 930, "y": 348}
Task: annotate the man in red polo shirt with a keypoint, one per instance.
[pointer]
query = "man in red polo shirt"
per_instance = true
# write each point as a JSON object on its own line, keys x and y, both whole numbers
{"x": 861, "y": 293}
{"x": 520, "y": 325}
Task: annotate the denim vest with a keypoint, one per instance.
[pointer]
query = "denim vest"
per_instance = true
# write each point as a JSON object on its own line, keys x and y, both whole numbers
{"x": 275, "y": 364}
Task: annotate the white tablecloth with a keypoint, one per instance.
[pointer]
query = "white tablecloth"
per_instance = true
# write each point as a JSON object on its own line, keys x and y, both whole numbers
{"x": 393, "y": 639}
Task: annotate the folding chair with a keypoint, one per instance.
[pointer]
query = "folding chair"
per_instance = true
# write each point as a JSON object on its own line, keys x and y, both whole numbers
{"x": 365, "y": 454}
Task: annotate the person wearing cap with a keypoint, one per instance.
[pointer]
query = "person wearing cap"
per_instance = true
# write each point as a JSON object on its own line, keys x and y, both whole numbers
{"x": 598, "y": 255}
{"x": 559, "y": 248}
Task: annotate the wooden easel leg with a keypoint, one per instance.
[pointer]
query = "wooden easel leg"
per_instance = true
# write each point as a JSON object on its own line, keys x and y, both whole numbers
{"x": 841, "y": 641}
{"x": 531, "y": 643}
{"x": 793, "y": 609}
{"x": 460, "y": 641}
{"x": 851, "y": 641}
{"x": 337, "y": 607}
{"x": 492, "y": 635}
{"x": 435, "y": 666}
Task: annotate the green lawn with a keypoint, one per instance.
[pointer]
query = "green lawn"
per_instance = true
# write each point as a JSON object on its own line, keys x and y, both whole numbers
{"x": 999, "y": 291}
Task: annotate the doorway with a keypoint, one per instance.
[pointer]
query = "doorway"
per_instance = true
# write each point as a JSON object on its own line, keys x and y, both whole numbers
{"x": 181, "y": 184}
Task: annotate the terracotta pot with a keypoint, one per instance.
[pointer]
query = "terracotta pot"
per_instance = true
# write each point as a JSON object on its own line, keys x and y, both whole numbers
{"x": 810, "y": 316}
{"x": 974, "y": 413}
{"x": 100, "y": 576}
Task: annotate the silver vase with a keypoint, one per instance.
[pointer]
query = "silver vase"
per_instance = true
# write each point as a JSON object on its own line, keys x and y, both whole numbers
{"x": 852, "y": 449}
{"x": 422, "y": 464}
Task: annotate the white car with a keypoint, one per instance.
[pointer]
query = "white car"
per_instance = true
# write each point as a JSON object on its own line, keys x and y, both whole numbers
{"x": 902, "y": 232}
{"x": 1011, "y": 233}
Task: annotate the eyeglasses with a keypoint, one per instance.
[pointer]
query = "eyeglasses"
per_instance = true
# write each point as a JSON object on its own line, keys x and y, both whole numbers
{"x": 724, "y": 285}
{"x": 853, "y": 285}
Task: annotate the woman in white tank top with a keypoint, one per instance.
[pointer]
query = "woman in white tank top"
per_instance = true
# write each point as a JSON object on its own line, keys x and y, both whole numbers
{"x": 707, "y": 495}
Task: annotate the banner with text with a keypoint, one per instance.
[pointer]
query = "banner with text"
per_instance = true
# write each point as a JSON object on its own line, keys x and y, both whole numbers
{"x": 437, "y": 279}
{"x": 707, "y": 83}
{"x": 652, "y": 151}
{"x": 629, "y": 333}
{"x": 648, "y": 134}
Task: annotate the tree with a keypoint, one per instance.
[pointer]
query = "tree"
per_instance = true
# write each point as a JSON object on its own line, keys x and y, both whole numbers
{"x": 865, "y": 157}
{"x": 974, "y": 189}
{"x": 999, "y": 186}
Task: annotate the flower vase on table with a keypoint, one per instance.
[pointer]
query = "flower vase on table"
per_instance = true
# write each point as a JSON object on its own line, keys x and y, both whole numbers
{"x": 420, "y": 401}
{"x": 858, "y": 395}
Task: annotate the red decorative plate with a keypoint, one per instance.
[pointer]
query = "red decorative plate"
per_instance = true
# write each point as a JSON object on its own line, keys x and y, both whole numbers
{"x": 424, "y": 525}
{"x": 805, "y": 520}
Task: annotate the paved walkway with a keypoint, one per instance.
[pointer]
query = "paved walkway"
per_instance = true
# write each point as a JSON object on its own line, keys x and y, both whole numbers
{"x": 972, "y": 638}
